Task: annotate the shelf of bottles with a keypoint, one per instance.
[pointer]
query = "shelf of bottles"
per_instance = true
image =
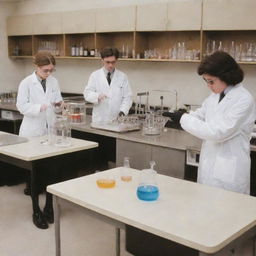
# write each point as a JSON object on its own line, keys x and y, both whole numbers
{"x": 20, "y": 46}
{"x": 241, "y": 45}
{"x": 168, "y": 46}
{"x": 52, "y": 43}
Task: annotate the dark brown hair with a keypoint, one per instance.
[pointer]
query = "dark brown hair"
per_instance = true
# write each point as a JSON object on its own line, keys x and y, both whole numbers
{"x": 223, "y": 66}
{"x": 109, "y": 52}
{"x": 43, "y": 58}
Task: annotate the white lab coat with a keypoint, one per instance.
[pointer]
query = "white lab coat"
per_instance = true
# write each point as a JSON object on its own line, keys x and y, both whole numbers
{"x": 119, "y": 95}
{"x": 225, "y": 129}
{"x": 29, "y": 100}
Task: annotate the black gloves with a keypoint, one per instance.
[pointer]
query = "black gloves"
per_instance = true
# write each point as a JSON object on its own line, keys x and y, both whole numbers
{"x": 176, "y": 115}
{"x": 121, "y": 113}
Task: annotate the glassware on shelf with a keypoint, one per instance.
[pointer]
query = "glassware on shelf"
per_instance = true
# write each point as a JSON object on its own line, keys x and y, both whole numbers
{"x": 245, "y": 52}
{"x": 50, "y": 46}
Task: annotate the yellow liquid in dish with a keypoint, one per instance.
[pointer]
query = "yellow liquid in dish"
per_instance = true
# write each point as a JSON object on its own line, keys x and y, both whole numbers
{"x": 126, "y": 178}
{"x": 105, "y": 183}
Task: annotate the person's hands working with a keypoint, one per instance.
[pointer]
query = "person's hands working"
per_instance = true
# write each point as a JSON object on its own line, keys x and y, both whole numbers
{"x": 176, "y": 115}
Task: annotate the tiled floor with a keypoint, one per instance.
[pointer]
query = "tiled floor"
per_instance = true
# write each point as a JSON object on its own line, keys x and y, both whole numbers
{"x": 81, "y": 235}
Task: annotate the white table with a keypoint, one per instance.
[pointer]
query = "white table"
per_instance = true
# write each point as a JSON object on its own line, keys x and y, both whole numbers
{"x": 29, "y": 155}
{"x": 203, "y": 218}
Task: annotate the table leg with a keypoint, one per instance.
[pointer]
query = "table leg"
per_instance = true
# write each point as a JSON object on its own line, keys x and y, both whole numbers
{"x": 56, "y": 207}
{"x": 117, "y": 241}
{"x": 34, "y": 192}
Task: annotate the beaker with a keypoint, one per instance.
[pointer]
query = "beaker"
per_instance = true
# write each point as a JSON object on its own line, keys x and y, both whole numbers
{"x": 62, "y": 132}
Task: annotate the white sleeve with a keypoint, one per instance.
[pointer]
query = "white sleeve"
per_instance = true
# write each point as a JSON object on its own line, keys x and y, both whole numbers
{"x": 24, "y": 106}
{"x": 90, "y": 92}
{"x": 223, "y": 126}
{"x": 200, "y": 112}
{"x": 127, "y": 97}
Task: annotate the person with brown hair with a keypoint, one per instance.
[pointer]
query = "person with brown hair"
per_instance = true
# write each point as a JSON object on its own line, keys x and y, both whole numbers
{"x": 37, "y": 93}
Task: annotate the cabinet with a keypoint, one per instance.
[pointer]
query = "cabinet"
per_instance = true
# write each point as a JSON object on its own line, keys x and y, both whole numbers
{"x": 20, "y": 25}
{"x": 78, "y": 21}
{"x": 183, "y": 31}
{"x": 49, "y": 23}
{"x": 229, "y": 14}
{"x": 169, "y": 162}
{"x": 152, "y": 17}
{"x": 116, "y": 19}
{"x": 184, "y": 15}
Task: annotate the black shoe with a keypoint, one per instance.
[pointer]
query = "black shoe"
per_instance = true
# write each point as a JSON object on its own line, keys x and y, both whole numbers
{"x": 39, "y": 220}
{"x": 27, "y": 191}
{"x": 48, "y": 215}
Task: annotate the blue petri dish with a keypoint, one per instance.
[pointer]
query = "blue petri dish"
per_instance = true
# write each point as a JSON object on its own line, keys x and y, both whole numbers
{"x": 148, "y": 193}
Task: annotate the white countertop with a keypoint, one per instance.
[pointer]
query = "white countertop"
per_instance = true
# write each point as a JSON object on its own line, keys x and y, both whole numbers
{"x": 195, "y": 215}
{"x": 34, "y": 150}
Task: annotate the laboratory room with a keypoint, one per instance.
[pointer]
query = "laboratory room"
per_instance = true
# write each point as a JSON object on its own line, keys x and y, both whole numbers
{"x": 128, "y": 128}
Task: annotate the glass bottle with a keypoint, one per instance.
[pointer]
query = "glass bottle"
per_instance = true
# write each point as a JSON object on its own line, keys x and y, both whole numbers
{"x": 125, "y": 170}
{"x": 148, "y": 189}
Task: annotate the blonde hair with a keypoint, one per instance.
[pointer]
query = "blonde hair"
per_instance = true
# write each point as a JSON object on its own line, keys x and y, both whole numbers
{"x": 43, "y": 58}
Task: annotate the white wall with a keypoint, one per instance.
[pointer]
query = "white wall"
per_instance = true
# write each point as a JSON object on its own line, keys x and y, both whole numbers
{"x": 73, "y": 74}
{"x": 10, "y": 72}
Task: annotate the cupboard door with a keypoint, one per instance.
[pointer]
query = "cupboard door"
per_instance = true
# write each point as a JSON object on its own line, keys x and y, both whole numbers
{"x": 152, "y": 17}
{"x": 116, "y": 19}
{"x": 170, "y": 162}
{"x": 229, "y": 14}
{"x": 47, "y": 23}
{"x": 184, "y": 15}
{"x": 20, "y": 25}
{"x": 139, "y": 153}
{"x": 82, "y": 21}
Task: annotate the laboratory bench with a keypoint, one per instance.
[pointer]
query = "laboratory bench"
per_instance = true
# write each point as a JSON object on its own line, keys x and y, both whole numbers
{"x": 168, "y": 150}
{"x": 47, "y": 164}
{"x": 191, "y": 217}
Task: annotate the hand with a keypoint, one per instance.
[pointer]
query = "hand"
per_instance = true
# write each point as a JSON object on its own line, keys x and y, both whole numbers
{"x": 121, "y": 113}
{"x": 102, "y": 96}
{"x": 43, "y": 107}
{"x": 176, "y": 115}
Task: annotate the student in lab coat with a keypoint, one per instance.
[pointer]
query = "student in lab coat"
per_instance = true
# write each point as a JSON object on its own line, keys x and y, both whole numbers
{"x": 108, "y": 89}
{"x": 37, "y": 94}
{"x": 224, "y": 123}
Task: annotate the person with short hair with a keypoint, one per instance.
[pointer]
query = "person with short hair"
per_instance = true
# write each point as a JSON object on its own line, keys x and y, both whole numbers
{"x": 224, "y": 122}
{"x": 37, "y": 93}
{"x": 108, "y": 89}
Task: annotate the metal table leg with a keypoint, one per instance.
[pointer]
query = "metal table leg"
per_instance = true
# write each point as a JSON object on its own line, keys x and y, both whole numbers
{"x": 117, "y": 241}
{"x": 56, "y": 208}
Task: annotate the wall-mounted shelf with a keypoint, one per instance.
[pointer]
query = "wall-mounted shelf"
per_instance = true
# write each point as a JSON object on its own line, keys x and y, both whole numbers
{"x": 162, "y": 32}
